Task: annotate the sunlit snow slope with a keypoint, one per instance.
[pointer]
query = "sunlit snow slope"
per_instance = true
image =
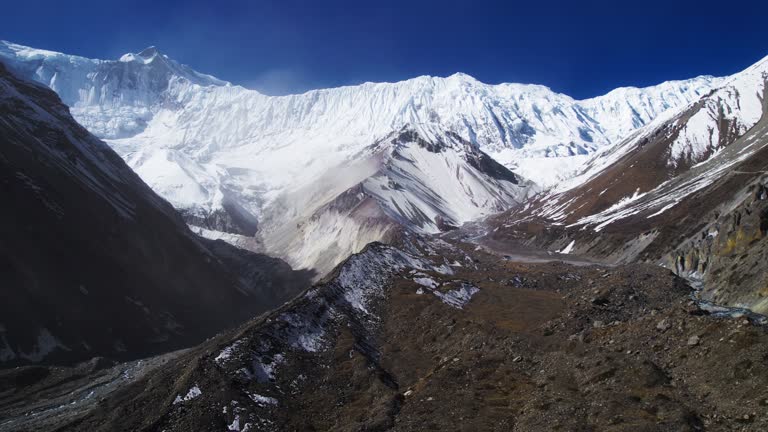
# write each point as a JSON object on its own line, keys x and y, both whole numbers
{"x": 427, "y": 184}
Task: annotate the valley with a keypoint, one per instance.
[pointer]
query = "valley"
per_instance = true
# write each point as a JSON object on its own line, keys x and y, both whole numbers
{"x": 182, "y": 253}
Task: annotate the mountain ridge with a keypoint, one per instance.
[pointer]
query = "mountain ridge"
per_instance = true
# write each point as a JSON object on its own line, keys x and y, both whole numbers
{"x": 423, "y": 83}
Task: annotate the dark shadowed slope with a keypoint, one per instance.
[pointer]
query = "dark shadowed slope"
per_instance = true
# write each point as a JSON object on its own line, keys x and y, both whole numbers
{"x": 92, "y": 262}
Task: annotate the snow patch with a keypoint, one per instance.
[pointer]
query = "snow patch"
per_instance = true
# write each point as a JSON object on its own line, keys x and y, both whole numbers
{"x": 568, "y": 249}
{"x": 264, "y": 368}
{"x": 262, "y": 400}
{"x": 427, "y": 282}
{"x": 191, "y": 394}
{"x": 458, "y": 297}
{"x": 227, "y": 352}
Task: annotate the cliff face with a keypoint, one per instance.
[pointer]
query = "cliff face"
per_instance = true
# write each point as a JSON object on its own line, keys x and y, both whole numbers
{"x": 728, "y": 255}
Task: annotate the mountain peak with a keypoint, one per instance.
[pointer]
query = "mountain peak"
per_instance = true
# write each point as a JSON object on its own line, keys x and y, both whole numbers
{"x": 463, "y": 77}
{"x": 149, "y": 52}
{"x": 146, "y": 56}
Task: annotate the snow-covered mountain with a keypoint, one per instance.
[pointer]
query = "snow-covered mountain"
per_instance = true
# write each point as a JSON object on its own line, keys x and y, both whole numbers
{"x": 676, "y": 155}
{"x": 110, "y": 98}
{"x": 230, "y": 157}
{"x": 508, "y": 121}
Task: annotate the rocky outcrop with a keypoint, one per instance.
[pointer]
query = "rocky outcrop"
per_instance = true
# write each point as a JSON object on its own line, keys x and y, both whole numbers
{"x": 229, "y": 219}
{"x": 728, "y": 255}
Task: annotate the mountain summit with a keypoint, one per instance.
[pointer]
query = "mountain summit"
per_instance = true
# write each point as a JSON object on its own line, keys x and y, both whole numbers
{"x": 145, "y": 56}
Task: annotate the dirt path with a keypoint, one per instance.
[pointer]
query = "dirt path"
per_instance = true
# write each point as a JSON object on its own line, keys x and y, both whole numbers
{"x": 478, "y": 233}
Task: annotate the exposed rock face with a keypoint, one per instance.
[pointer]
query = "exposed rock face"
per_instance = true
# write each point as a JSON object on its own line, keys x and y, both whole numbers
{"x": 92, "y": 262}
{"x": 228, "y": 219}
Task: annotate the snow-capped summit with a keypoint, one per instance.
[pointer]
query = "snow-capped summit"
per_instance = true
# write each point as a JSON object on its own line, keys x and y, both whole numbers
{"x": 145, "y": 56}
{"x": 110, "y": 98}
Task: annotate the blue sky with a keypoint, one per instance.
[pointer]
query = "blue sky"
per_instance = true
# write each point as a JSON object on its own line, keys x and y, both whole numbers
{"x": 580, "y": 48}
